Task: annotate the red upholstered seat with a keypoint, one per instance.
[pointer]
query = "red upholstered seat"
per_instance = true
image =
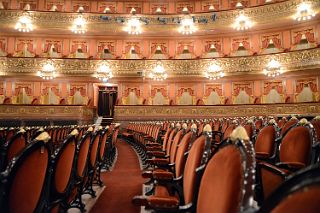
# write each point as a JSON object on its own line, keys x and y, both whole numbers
{"x": 299, "y": 193}
{"x": 24, "y": 181}
{"x": 224, "y": 186}
{"x": 295, "y": 153}
{"x": 265, "y": 146}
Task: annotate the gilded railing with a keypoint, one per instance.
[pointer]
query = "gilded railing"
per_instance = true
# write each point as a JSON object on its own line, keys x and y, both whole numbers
{"x": 291, "y": 61}
{"x": 266, "y": 14}
{"x": 136, "y": 113}
{"x": 44, "y": 112}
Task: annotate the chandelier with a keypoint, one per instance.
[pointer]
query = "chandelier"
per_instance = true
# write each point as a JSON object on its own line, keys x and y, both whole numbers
{"x": 79, "y": 25}
{"x": 304, "y": 12}
{"x": 133, "y": 25}
{"x": 48, "y": 71}
{"x": 214, "y": 72}
{"x": 24, "y": 24}
{"x": 273, "y": 69}
{"x": 242, "y": 22}
{"x": 158, "y": 73}
{"x": 187, "y": 25}
{"x": 104, "y": 72}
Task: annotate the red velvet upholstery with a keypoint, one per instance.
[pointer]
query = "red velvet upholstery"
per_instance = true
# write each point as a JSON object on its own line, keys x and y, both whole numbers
{"x": 82, "y": 156}
{"x": 265, "y": 141}
{"x": 221, "y": 185}
{"x": 301, "y": 201}
{"x": 16, "y": 146}
{"x": 28, "y": 182}
{"x": 193, "y": 161}
{"x": 64, "y": 167}
{"x": 296, "y": 146}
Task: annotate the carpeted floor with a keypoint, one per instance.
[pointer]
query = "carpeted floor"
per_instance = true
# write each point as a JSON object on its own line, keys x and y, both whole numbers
{"x": 122, "y": 183}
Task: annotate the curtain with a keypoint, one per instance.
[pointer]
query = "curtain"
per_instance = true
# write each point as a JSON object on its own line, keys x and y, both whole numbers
{"x": 246, "y": 45}
{"x": 57, "y": 46}
{"x": 310, "y": 37}
{"x": 297, "y": 38}
{"x": 277, "y": 42}
{"x": 84, "y": 48}
{"x": 101, "y": 48}
{"x": 47, "y": 47}
{"x": 235, "y": 45}
{"x": 265, "y": 43}
{"x": 20, "y": 46}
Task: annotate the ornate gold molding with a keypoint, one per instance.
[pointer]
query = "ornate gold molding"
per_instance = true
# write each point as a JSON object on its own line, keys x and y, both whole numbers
{"x": 265, "y": 14}
{"x": 291, "y": 61}
{"x": 136, "y": 113}
{"x": 46, "y": 112}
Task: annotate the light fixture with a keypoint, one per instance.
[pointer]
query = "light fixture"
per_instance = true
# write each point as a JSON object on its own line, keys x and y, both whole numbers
{"x": 273, "y": 69}
{"x": 48, "y": 71}
{"x": 239, "y": 4}
{"x": 187, "y": 25}
{"x": 158, "y": 10}
{"x": 158, "y": 73}
{"x": 133, "y": 26}
{"x": 242, "y": 22}
{"x": 304, "y": 12}
{"x": 79, "y": 25}
{"x": 24, "y": 24}
{"x": 214, "y": 72}
{"x": 107, "y": 10}
{"x": 185, "y": 9}
{"x": 104, "y": 72}
{"x": 212, "y": 8}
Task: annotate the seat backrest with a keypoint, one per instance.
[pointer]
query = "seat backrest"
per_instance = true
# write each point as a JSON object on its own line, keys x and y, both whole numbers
{"x": 26, "y": 178}
{"x": 94, "y": 149}
{"x": 266, "y": 140}
{"x": 180, "y": 159}
{"x": 228, "y": 131}
{"x": 299, "y": 193}
{"x": 9, "y": 134}
{"x": 288, "y": 125}
{"x": 15, "y": 145}
{"x": 165, "y": 140}
{"x": 102, "y": 145}
{"x": 227, "y": 182}
{"x": 316, "y": 125}
{"x": 296, "y": 145}
{"x": 170, "y": 140}
{"x": 249, "y": 129}
{"x": 175, "y": 144}
{"x": 83, "y": 151}
{"x": 192, "y": 163}
{"x": 63, "y": 165}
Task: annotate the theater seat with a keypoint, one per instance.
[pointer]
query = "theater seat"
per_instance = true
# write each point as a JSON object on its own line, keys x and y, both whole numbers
{"x": 184, "y": 193}
{"x": 23, "y": 183}
{"x": 295, "y": 154}
{"x": 12, "y": 147}
{"x": 227, "y": 182}
{"x": 299, "y": 193}
{"x": 265, "y": 145}
{"x": 63, "y": 164}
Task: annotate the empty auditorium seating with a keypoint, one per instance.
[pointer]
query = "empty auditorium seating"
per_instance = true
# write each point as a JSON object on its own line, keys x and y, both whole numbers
{"x": 23, "y": 183}
{"x": 227, "y": 182}
{"x": 61, "y": 177}
{"x": 165, "y": 200}
{"x": 299, "y": 193}
{"x": 294, "y": 153}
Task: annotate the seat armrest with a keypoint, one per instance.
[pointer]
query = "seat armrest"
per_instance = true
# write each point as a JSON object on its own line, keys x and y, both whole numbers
{"x": 163, "y": 175}
{"x": 293, "y": 166}
{"x": 275, "y": 169}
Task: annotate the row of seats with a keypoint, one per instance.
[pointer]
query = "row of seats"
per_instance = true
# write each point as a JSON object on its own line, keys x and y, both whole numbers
{"x": 49, "y": 169}
{"x": 178, "y": 156}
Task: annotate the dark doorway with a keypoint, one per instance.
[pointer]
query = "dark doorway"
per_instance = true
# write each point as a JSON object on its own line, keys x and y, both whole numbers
{"x": 106, "y": 102}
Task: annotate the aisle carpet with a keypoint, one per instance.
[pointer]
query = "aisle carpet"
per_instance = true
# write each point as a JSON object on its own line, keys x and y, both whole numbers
{"x": 122, "y": 183}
